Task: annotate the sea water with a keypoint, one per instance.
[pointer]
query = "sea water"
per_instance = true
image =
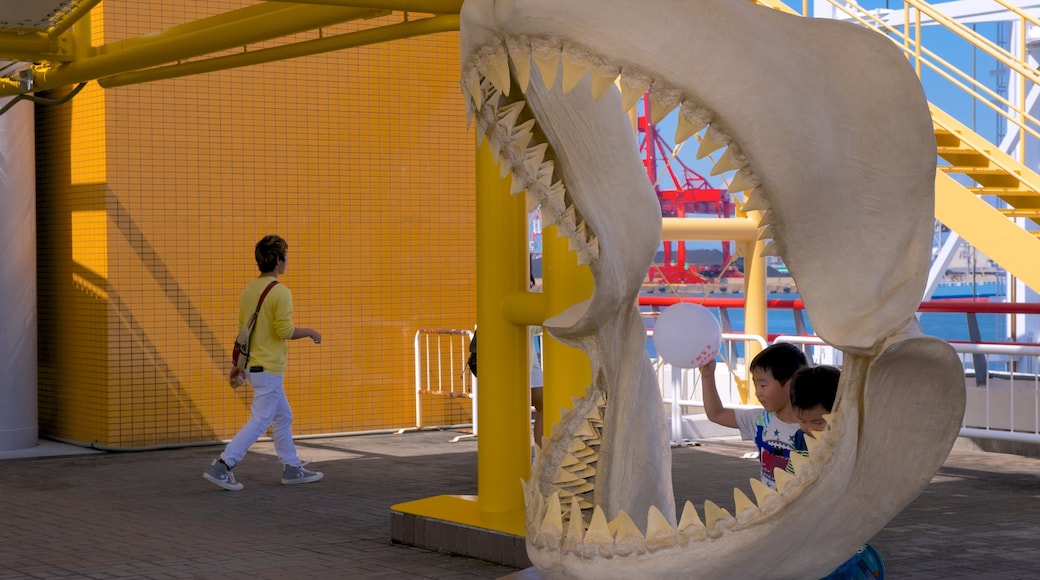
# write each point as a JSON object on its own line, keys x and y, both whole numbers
{"x": 945, "y": 325}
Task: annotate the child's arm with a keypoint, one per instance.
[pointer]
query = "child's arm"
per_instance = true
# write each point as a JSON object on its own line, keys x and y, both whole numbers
{"x": 712, "y": 403}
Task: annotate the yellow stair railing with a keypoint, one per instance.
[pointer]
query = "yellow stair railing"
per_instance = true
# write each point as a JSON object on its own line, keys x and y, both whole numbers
{"x": 992, "y": 173}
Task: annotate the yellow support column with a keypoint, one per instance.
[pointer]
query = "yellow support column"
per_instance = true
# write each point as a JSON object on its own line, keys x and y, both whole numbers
{"x": 503, "y": 400}
{"x": 566, "y": 369}
{"x": 504, "y": 308}
{"x": 755, "y": 310}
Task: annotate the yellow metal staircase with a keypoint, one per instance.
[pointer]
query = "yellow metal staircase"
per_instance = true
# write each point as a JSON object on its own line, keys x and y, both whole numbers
{"x": 959, "y": 205}
{"x": 994, "y": 173}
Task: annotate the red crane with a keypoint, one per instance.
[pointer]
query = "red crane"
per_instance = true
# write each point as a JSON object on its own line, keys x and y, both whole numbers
{"x": 691, "y": 194}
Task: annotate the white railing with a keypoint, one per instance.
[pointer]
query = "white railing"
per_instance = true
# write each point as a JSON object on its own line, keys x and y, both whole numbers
{"x": 440, "y": 369}
{"x": 1003, "y": 403}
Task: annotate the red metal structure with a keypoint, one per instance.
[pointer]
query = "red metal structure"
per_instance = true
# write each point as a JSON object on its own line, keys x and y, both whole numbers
{"x": 690, "y": 194}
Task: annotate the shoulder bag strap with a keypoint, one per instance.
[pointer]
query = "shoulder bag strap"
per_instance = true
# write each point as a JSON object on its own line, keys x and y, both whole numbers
{"x": 256, "y": 312}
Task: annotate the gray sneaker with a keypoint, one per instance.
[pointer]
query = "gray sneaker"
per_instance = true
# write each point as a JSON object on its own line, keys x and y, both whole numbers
{"x": 293, "y": 475}
{"x": 220, "y": 474}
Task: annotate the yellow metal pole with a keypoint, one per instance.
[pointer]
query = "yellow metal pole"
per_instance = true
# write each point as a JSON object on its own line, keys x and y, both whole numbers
{"x": 388, "y": 33}
{"x": 428, "y": 6}
{"x": 225, "y": 31}
{"x": 503, "y": 399}
{"x": 755, "y": 310}
{"x": 709, "y": 229}
{"x": 567, "y": 370}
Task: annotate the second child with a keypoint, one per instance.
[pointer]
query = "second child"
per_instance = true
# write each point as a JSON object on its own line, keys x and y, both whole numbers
{"x": 774, "y": 426}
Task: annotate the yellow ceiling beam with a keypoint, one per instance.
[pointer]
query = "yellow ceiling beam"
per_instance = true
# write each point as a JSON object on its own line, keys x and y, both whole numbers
{"x": 429, "y": 6}
{"x": 26, "y": 47}
{"x": 432, "y": 25}
{"x": 231, "y": 30}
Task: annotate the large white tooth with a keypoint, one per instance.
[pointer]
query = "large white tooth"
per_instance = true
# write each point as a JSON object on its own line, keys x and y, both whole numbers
{"x": 545, "y": 173}
{"x": 771, "y": 249}
{"x": 509, "y": 114}
{"x": 712, "y": 514}
{"x": 766, "y": 233}
{"x": 766, "y": 219}
{"x": 691, "y": 121}
{"x": 598, "y": 539}
{"x": 689, "y": 521}
{"x": 741, "y": 502}
{"x": 590, "y": 253}
{"x": 556, "y": 198}
{"x": 578, "y": 239}
{"x": 517, "y": 183}
{"x": 496, "y": 69}
{"x": 472, "y": 82}
{"x": 782, "y": 478}
{"x": 743, "y": 180}
{"x": 551, "y": 531}
{"x": 547, "y": 59}
{"x": 580, "y": 488}
{"x": 564, "y": 476}
{"x": 628, "y": 540}
{"x": 534, "y": 155}
{"x": 566, "y": 223}
{"x": 522, "y": 133}
{"x": 520, "y": 53}
{"x": 731, "y": 159}
{"x": 811, "y": 443}
{"x": 712, "y": 141}
{"x": 532, "y": 201}
{"x": 584, "y": 473}
{"x": 660, "y": 534}
{"x": 575, "y": 530}
{"x": 574, "y": 67}
{"x": 633, "y": 87}
{"x": 762, "y": 491}
{"x": 505, "y": 166}
{"x": 756, "y": 201}
{"x": 662, "y": 102}
{"x": 603, "y": 78}
{"x": 828, "y": 417}
{"x": 586, "y": 431}
{"x": 798, "y": 461}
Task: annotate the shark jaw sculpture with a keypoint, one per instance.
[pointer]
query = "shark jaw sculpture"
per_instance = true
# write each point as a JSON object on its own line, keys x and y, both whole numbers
{"x": 828, "y": 131}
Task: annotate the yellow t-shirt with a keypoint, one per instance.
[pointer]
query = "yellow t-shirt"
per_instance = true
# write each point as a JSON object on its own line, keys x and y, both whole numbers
{"x": 274, "y": 325}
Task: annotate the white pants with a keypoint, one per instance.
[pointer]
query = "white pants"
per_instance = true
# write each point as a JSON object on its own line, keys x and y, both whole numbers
{"x": 270, "y": 409}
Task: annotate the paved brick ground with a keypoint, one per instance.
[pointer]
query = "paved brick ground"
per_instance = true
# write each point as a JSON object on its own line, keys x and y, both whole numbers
{"x": 151, "y": 515}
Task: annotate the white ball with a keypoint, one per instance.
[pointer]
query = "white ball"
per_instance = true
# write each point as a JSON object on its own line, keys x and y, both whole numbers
{"x": 687, "y": 335}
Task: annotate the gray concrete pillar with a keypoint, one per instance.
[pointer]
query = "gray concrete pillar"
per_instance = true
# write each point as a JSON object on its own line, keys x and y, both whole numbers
{"x": 18, "y": 366}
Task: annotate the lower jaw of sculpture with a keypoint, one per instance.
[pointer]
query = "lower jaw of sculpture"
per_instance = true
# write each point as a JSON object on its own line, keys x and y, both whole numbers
{"x": 599, "y": 503}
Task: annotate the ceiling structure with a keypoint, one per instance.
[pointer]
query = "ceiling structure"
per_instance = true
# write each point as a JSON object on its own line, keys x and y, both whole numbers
{"x": 45, "y": 44}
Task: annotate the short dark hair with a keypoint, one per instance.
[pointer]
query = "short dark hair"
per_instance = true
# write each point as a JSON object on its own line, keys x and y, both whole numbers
{"x": 814, "y": 386}
{"x": 781, "y": 359}
{"x": 268, "y": 251}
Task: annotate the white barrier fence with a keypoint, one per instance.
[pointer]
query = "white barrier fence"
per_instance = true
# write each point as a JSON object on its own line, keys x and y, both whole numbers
{"x": 440, "y": 369}
{"x": 1003, "y": 403}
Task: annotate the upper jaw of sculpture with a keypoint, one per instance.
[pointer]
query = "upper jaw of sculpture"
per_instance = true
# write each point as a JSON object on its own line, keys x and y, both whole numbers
{"x": 829, "y": 134}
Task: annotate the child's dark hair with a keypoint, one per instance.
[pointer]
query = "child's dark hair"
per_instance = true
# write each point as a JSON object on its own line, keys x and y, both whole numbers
{"x": 814, "y": 386}
{"x": 268, "y": 251}
{"x": 781, "y": 359}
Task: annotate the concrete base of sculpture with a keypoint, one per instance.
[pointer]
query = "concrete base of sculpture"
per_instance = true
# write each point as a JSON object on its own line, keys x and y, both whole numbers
{"x": 431, "y": 533}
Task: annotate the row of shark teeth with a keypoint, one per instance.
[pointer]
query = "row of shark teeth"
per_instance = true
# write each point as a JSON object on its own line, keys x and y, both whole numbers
{"x": 520, "y": 150}
{"x": 566, "y": 463}
{"x": 562, "y": 522}
{"x": 488, "y": 82}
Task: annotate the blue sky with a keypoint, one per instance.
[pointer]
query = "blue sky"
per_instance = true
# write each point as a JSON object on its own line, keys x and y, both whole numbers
{"x": 938, "y": 90}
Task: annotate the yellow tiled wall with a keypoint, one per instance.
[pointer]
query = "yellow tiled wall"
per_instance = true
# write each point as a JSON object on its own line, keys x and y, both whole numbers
{"x": 151, "y": 197}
